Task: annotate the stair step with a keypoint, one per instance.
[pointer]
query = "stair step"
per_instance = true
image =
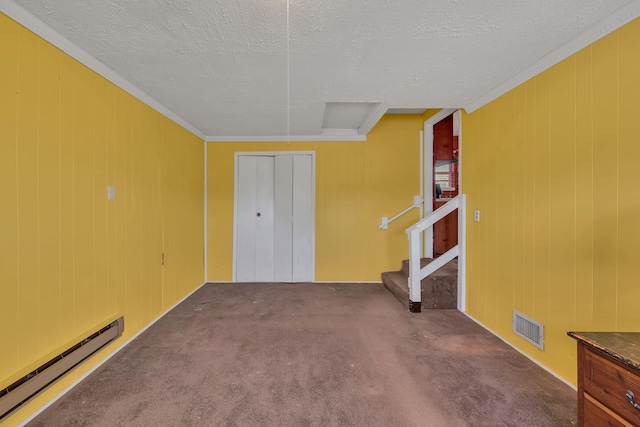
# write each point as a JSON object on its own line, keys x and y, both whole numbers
{"x": 398, "y": 284}
{"x": 438, "y": 291}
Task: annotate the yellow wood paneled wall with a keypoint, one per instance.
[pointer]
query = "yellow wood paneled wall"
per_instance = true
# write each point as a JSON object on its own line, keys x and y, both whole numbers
{"x": 69, "y": 259}
{"x": 357, "y": 183}
{"x": 553, "y": 168}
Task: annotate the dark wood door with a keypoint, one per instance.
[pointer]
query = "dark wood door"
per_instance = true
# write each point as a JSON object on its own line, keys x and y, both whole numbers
{"x": 445, "y": 231}
{"x": 443, "y": 139}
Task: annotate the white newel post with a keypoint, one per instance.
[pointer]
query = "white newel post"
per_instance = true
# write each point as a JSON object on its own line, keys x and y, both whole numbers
{"x": 414, "y": 272}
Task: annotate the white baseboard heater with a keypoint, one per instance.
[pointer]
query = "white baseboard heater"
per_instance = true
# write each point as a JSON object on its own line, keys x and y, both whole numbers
{"x": 27, "y": 387}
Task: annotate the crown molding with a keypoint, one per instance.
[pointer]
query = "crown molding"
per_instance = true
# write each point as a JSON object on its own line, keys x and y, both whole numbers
{"x": 285, "y": 138}
{"x": 440, "y": 115}
{"x": 622, "y": 16}
{"x": 338, "y": 132}
{"x": 34, "y": 24}
{"x": 373, "y": 118}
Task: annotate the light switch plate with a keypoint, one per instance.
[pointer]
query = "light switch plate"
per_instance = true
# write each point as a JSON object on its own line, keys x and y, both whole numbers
{"x": 111, "y": 192}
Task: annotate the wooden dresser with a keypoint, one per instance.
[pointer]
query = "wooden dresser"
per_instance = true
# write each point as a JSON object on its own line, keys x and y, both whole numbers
{"x": 608, "y": 378}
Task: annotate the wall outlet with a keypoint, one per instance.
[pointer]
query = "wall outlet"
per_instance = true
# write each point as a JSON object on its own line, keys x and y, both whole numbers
{"x": 111, "y": 192}
{"x": 476, "y": 215}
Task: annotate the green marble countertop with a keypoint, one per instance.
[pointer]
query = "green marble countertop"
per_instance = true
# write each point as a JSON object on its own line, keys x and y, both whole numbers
{"x": 622, "y": 346}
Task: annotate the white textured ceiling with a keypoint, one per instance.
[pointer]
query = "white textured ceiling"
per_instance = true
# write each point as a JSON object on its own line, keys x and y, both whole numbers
{"x": 266, "y": 68}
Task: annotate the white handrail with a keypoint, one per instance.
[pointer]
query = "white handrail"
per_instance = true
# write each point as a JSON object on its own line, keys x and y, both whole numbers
{"x": 435, "y": 216}
{"x": 384, "y": 224}
{"x": 415, "y": 273}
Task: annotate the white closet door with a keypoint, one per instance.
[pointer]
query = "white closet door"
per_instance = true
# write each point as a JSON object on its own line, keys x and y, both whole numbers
{"x": 283, "y": 237}
{"x": 246, "y": 211}
{"x": 303, "y": 218}
{"x": 275, "y": 218}
{"x": 264, "y": 218}
{"x": 254, "y": 234}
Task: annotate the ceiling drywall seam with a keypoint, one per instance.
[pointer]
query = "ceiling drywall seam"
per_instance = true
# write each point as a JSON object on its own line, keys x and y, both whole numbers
{"x": 26, "y": 19}
{"x": 623, "y": 16}
{"x": 288, "y": 77}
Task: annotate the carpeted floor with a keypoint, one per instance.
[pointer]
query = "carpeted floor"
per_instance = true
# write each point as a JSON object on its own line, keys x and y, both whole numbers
{"x": 313, "y": 355}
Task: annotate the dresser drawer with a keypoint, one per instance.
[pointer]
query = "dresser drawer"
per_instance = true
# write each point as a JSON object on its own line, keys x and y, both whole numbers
{"x": 596, "y": 415}
{"x": 608, "y": 382}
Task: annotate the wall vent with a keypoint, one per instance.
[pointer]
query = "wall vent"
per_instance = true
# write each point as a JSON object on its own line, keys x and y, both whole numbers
{"x": 27, "y": 387}
{"x": 528, "y": 329}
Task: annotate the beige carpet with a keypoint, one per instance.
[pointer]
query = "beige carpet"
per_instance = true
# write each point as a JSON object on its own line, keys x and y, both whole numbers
{"x": 313, "y": 355}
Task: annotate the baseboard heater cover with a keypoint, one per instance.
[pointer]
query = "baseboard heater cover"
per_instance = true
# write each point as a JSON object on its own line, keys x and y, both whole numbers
{"x": 27, "y": 387}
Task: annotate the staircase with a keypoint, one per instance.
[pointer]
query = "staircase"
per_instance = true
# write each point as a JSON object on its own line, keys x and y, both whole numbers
{"x": 438, "y": 290}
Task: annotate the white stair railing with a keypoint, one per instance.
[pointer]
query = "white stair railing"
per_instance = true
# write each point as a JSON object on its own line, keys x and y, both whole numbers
{"x": 415, "y": 273}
